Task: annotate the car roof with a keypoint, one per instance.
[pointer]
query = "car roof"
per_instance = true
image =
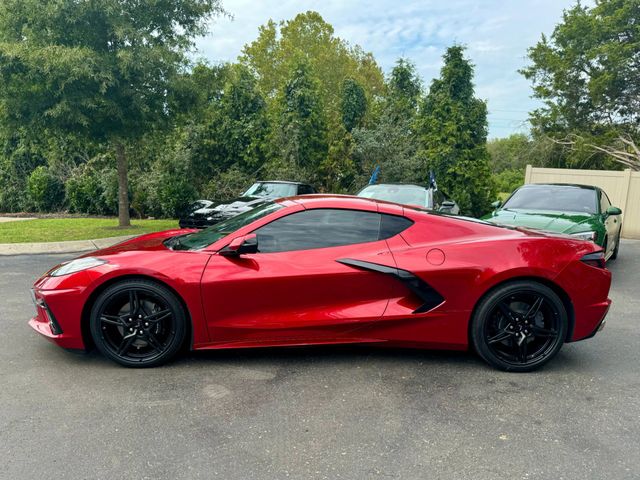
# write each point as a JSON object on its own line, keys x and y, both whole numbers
{"x": 412, "y": 185}
{"x": 575, "y": 185}
{"x": 324, "y": 200}
{"x": 281, "y": 181}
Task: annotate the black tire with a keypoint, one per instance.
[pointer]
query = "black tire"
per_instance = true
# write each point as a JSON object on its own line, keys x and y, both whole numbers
{"x": 138, "y": 323}
{"x": 519, "y": 326}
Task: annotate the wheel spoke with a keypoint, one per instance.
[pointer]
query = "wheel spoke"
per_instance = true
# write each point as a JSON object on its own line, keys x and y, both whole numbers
{"x": 506, "y": 310}
{"x": 126, "y": 343}
{"x": 158, "y": 316}
{"x": 112, "y": 320}
{"x": 522, "y": 350}
{"x": 133, "y": 302}
{"x": 153, "y": 341}
{"x": 535, "y": 308}
{"x": 499, "y": 337}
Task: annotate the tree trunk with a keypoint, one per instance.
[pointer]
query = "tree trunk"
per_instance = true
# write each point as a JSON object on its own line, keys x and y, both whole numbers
{"x": 123, "y": 186}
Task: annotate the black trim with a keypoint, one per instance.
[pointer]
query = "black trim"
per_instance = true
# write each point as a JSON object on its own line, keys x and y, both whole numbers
{"x": 429, "y": 296}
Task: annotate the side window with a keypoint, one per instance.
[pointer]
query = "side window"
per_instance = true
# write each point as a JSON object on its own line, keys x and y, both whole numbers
{"x": 323, "y": 228}
{"x": 604, "y": 202}
{"x": 391, "y": 225}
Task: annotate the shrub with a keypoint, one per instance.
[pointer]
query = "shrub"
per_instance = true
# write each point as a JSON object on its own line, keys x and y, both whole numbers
{"x": 46, "y": 191}
{"x": 170, "y": 188}
{"x": 509, "y": 180}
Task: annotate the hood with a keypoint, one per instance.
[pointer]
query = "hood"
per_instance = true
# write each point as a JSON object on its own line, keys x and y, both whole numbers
{"x": 560, "y": 222}
{"x": 150, "y": 241}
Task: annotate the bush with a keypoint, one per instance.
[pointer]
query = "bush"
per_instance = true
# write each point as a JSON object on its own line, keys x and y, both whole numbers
{"x": 91, "y": 191}
{"x": 170, "y": 188}
{"x": 46, "y": 191}
{"x": 509, "y": 180}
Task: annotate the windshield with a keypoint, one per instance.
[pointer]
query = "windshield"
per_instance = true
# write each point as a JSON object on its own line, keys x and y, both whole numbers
{"x": 557, "y": 198}
{"x": 273, "y": 190}
{"x": 407, "y": 194}
{"x": 204, "y": 238}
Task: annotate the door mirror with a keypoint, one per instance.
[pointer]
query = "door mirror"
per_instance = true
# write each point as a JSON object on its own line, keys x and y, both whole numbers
{"x": 496, "y": 204}
{"x": 240, "y": 245}
{"x": 614, "y": 211}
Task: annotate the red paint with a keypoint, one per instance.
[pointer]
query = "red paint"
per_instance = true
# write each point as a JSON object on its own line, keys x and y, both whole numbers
{"x": 306, "y": 297}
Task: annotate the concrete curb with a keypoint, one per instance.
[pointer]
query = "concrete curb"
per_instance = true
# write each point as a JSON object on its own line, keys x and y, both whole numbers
{"x": 60, "y": 247}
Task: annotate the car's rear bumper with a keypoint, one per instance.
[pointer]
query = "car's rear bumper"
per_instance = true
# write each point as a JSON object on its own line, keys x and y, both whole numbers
{"x": 599, "y": 311}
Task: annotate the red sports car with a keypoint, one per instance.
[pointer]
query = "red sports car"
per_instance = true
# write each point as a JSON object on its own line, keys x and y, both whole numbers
{"x": 328, "y": 270}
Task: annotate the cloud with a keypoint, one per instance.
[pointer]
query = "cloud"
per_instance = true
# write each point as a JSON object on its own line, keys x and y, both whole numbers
{"x": 496, "y": 32}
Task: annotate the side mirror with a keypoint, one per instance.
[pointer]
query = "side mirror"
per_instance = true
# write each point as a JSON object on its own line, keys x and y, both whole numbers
{"x": 496, "y": 204}
{"x": 240, "y": 245}
{"x": 613, "y": 211}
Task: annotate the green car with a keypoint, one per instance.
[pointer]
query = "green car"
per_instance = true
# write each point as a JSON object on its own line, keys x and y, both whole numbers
{"x": 582, "y": 211}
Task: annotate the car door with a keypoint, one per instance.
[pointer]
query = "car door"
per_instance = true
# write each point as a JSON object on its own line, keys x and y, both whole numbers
{"x": 296, "y": 290}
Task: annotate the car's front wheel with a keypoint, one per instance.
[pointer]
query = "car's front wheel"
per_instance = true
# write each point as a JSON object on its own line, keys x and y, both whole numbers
{"x": 138, "y": 323}
{"x": 519, "y": 326}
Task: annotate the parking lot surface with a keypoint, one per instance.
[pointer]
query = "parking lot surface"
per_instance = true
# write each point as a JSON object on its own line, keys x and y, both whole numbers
{"x": 351, "y": 413}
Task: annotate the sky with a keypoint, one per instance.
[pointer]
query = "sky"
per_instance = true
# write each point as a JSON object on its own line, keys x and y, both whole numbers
{"x": 497, "y": 34}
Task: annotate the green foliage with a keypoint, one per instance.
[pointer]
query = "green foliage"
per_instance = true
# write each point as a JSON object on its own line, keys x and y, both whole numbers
{"x": 101, "y": 70}
{"x": 169, "y": 187}
{"x": 509, "y": 180}
{"x": 92, "y": 190}
{"x": 301, "y": 132}
{"x": 588, "y": 76}
{"x": 354, "y": 104}
{"x": 46, "y": 191}
{"x": 452, "y": 130}
{"x": 390, "y": 141}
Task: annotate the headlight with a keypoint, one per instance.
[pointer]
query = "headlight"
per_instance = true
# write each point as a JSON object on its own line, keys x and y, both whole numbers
{"x": 76, "y": 265}
{"x": 593, "y": 236}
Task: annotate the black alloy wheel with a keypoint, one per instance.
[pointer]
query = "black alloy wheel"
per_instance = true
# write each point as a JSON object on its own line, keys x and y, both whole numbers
{"x": 519, "y": 326}
{"x": 138, "y": 323}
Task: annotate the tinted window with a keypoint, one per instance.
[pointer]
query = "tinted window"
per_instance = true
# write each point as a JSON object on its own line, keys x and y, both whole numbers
{"x": 391, "y": 225}
{"x": 558, "y": 198}
{"x": 322, "y": 228}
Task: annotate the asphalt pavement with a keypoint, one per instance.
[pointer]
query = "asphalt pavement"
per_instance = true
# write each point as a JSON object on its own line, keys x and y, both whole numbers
{"x": 319, "y": 413}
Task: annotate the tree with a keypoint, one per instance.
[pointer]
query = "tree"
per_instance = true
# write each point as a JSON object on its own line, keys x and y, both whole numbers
{"x": 588, "y": 76}
{"x": 102, "y": 69}
{"x": 390, "y": 141}
{"x": 331, "y": 62}
{"x": 232, "y": 130}
{"x": 300, "y": 129}
{"x": 354, "y": 104}
{"x": 452, "y": 132}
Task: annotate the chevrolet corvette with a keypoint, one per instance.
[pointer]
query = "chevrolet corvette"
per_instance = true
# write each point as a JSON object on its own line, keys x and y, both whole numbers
{"x": 321, "y": 269}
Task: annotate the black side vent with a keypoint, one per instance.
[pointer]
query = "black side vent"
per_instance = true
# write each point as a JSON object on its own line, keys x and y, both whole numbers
{"x": 430, "y": 297}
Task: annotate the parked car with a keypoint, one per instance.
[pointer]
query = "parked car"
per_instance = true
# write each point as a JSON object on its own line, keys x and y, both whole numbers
{"x": 582, "y": 211}
{"x": 328, "y": 270}
{"x": 257, "y": 194}
{"x": 408, "y": 194}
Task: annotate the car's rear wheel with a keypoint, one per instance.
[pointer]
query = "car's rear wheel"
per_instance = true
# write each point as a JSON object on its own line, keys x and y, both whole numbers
{"x": 138, "y": 323}
{"x": 519, "y": 326}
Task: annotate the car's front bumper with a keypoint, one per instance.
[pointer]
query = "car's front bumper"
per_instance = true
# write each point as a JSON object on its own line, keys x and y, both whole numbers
{"x": 58, "y": 316}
